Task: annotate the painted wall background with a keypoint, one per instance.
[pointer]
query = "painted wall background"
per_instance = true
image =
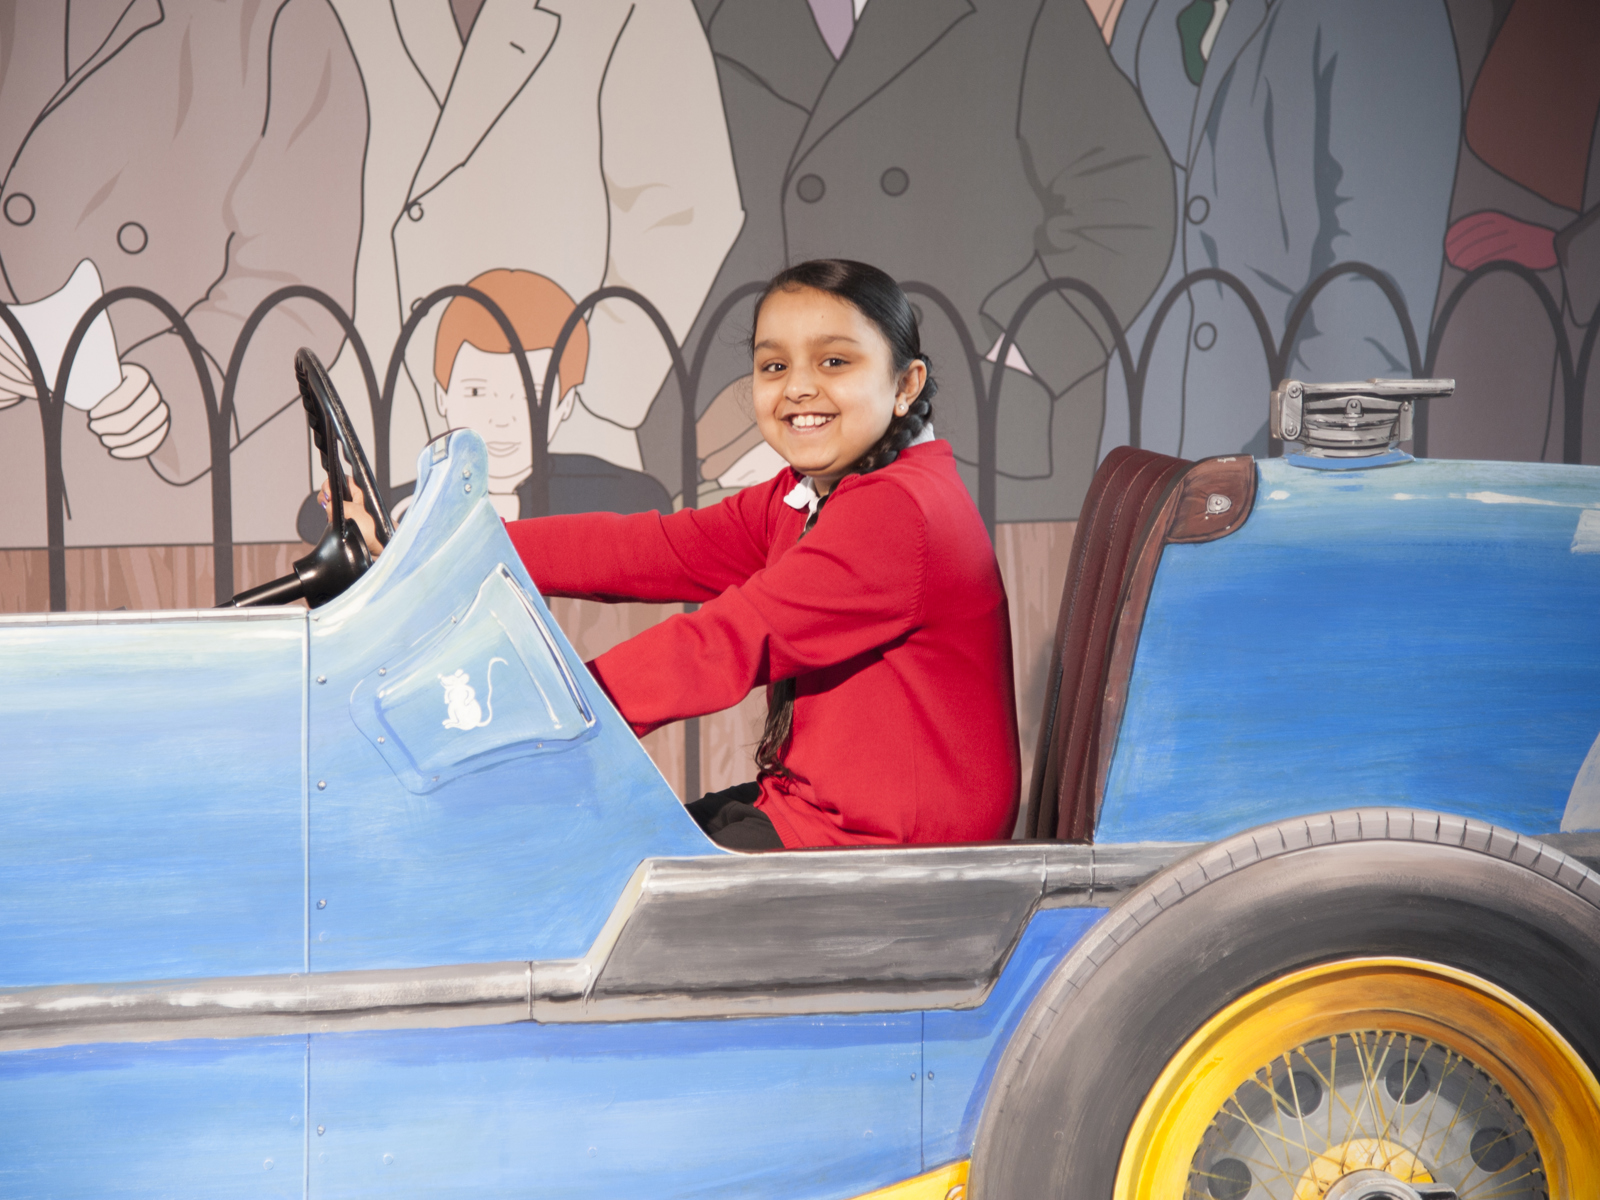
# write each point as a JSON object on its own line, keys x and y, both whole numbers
{"x": 217, "y": 153}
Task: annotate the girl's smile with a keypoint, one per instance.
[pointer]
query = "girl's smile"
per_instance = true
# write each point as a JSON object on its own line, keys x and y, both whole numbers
{"x": 803, "y": 421}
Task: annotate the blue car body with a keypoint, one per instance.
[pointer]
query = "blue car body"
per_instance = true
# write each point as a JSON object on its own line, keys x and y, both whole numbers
{"x": 420, "y": 777}
{"x": 1426, "y": 634}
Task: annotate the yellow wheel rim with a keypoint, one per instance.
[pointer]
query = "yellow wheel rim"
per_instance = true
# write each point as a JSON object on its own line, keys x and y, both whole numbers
{"x": 1423, "y": 1071}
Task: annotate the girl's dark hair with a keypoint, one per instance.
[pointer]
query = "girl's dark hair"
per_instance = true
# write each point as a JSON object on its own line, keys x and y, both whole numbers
{"x": 879, "y": 298}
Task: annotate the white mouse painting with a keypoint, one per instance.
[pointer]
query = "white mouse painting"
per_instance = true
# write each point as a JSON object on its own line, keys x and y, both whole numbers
{"x": 461, "y": 698}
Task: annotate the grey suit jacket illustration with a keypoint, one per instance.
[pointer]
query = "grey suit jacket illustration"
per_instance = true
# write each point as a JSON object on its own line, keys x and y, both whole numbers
{"x": 979, "y": 147}
{"x": 211, "y": 153}
{"x": 1319, "y": 133}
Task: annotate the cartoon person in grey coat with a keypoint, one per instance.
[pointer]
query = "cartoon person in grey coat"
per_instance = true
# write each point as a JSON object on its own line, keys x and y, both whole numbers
{"x": 1303, "y": 134}
{"x": 212, "y": 154}
{"x": 979, "y": 148}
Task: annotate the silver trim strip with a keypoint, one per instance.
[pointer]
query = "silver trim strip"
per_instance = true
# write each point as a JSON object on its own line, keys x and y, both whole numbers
{"x": 837, "y": 931}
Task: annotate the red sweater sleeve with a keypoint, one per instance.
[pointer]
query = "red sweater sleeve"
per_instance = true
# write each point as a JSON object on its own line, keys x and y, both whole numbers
{"x": 855, "y": 583}
{"x": 686, "y": 556}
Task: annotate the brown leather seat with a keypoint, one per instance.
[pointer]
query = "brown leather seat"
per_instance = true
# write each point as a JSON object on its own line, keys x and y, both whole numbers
{"x": 1139, "y": 503}
{"x": 1128, "y": 491}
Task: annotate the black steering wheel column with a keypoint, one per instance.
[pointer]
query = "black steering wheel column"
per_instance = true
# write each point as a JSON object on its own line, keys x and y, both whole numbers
{"x": 341, "y": 556}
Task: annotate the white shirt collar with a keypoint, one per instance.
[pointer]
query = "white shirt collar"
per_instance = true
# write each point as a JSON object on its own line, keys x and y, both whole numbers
{"x": 804, "y": 494}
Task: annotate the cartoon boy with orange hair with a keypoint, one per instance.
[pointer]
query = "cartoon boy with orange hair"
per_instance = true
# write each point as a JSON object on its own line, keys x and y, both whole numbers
{"x": 477, "y": 386}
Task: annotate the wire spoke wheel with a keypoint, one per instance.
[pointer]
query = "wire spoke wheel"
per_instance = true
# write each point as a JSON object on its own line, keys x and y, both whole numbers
{"x": 1370, "y": 1100}
{"x": 1344, "y": 1079}
{"x": 1378, "y": 1003}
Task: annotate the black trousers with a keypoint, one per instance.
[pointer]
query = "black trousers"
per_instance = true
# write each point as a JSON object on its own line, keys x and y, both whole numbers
{"x": 731, "y": 819}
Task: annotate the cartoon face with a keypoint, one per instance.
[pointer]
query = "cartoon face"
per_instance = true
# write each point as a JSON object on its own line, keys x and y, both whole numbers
{"x": 824, "y": 386}
{"x": 486, "y": 396}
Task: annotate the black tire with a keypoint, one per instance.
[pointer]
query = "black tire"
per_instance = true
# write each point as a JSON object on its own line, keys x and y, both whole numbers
{"x": 1247, "y": 910}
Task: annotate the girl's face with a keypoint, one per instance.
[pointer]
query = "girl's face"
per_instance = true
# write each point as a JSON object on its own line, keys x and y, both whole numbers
{"x": 824, "y": 384}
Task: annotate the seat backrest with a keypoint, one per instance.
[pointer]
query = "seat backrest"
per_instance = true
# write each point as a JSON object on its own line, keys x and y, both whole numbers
{"x": 1128, "y": 491}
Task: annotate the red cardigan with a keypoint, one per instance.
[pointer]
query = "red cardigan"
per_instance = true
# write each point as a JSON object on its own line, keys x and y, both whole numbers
{"x": 890, "y": 614}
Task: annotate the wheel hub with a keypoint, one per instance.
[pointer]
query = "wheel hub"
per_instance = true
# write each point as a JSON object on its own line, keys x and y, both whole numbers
{"x": 1376, "y": 1161}
{"x": 1370, "y": 1183}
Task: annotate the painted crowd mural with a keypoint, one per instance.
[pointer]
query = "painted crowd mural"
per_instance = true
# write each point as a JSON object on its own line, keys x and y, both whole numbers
{"x": 1119, "y": 220}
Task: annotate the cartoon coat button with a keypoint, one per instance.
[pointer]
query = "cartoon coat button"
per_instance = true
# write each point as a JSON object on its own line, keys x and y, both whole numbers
{"x": 133, "y": 238}
{"x": 19, "y": 208}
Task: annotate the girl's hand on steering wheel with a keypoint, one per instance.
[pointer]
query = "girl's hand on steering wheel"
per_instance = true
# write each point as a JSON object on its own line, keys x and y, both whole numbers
{"x": 355, "y": 508}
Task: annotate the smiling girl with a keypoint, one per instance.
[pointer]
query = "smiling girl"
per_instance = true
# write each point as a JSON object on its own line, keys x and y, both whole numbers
{"x": 858, "y": 586}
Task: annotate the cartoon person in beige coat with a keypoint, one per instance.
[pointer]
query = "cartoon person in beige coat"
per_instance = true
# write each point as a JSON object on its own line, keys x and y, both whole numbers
{"x": 212, "y": 154}
{"x": 582, "y": 141}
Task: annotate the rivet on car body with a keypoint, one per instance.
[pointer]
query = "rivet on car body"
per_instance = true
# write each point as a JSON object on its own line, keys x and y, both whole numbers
{"x": 469, "y": 487}
{"x": 380, "y": 739}
{"x": 383, "y": 670}
{"x": 320, "y": 1130}
{"x": 322, "y": 785}
{"x": 466, "y": 472}
{"x": 930, "y": 1074}
{"x": 322, "y": 904}
{"x": 322, "y": 679}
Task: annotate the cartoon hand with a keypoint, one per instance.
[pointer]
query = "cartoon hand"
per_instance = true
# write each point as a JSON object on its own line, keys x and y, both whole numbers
{"x": 133, "y": 420}
{"x": 1490, "y": 236}
{"x": 15, "y": 382}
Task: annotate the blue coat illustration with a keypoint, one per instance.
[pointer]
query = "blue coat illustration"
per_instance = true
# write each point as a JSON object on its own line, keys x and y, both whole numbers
{"x": 1302, "y": 135}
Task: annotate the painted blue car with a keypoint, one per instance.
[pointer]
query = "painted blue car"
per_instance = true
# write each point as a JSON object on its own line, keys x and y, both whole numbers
{"x": 382, "y": 897}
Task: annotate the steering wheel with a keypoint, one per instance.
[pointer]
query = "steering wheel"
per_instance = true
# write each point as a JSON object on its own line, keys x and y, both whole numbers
{"x": 341, "y": 557}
